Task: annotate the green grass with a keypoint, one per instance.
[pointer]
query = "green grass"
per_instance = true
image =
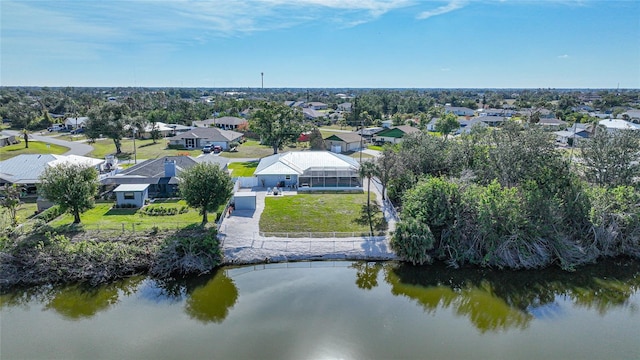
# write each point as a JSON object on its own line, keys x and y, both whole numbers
{"x": 243, "y": 169}
{"x": 25, "y": 211}
{"x": 102, "y": 216}
{"x": 35, "y": 147}
{"x": 250, "y": 149}
{"x": 315, "y": 213}
{"x": 145, "y": 149}
{"x": 374, "y": 147}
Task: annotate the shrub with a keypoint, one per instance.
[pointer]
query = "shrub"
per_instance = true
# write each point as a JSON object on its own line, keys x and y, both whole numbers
{"x": 49, "y": 214}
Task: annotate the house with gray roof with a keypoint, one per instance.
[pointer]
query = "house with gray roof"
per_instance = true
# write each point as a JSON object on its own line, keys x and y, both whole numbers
{"x": 309, "y": 170}
{"x": 230, "y": 122}
{"x": 343, "y": 142}
{"x": 200, "y": 137}
{"x": 161, "y": 174}
{"x": 459, "y": 111}
{"x": 25, "y": 169}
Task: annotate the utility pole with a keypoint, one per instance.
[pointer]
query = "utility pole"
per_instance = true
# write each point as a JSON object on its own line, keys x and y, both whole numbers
{"x": 135, "y": 157}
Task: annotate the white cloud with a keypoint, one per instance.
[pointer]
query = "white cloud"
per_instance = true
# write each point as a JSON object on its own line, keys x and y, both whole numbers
{"x": 564, "y": 56}
{"x": 451, "y": 6}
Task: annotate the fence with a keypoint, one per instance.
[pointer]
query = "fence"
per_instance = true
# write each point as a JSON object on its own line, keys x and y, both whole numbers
{"x": 320, "y": 235}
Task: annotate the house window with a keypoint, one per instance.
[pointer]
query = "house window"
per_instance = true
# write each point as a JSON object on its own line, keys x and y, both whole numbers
{"x": 129, "y": 196}
{"x": 287, "y": 177}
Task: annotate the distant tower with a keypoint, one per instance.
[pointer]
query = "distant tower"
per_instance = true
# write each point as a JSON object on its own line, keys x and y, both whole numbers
{"x": 262, "y": 75}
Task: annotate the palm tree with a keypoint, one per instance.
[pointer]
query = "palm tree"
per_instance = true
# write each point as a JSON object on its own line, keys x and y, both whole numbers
{"x": 368, "y": 169}
{"x": 25, "y": 136}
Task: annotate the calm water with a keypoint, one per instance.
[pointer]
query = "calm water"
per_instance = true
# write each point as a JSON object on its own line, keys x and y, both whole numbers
{"x": 326, "y": 310}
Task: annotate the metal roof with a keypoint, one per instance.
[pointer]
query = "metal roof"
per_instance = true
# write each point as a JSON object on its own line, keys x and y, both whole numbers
{"x": 295, "y": 163}
{"x": 131, "y": 187}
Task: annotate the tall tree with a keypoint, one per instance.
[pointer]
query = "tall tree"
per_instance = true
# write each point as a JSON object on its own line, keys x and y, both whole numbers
{"x": 316, "y": 142}
{"x": 109, "y": 120}
{"x": 611, "y": 158}
{"x": 386, "y": 164}
{"x": 205, "y": 186}
{"x": 368, "y": 169}
{"x": 70, "y": 186}
{"x": 277, "y": 125}
{"x": 446, "y": 124}
{"x": 10, "y": 200}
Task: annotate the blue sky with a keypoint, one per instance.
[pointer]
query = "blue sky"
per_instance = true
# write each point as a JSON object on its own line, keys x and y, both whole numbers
{"x": 321, "y": 43}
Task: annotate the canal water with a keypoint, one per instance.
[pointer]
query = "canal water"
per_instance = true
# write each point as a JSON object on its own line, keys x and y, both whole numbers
{"x": 328, "y": 310}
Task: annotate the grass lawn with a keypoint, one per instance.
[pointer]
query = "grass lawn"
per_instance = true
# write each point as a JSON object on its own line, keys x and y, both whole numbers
{"x": 102, "y": 216}
{"x": 374, "y": 147}
{"x": 145, "y": 149}
{"x": 243, "y": 169}
{"x": 251, "y": 149}
{"x": 35, "y": 147}
{"x": 25, "y": 211}
{"x": 324, "y": 213}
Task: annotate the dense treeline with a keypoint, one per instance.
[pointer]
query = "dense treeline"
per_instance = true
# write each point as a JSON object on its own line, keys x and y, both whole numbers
{"x": 34, "y": 108}
{"x": 508, "y": 198}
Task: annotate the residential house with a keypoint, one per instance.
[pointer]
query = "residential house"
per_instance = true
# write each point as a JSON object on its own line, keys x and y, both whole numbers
{"x": 497, "y": 112}
{"x": 161, "y": 174}
{"x": 368, "y": 133}
{"x": 25, "y": 169}
{"x": 315, "y": 105}
{"x": 394, "y": 134}
{"x": 204, "y": 123}
{"x": 309, "y": 170}
{"x": 459, "y": 111}
{"x": 313, "y": 115}
{"x": 493, "y": 120}
{"x": 343, "y": 142}
{"x": 618, "y": 124}
{"x": 72, "y": 123}
{"x": 198, "y": 138}
{"x": 572, "y": 135}
{"x": 231, "y": 123}
{"x": 551, "y": 124}
{"x": 466, "y": 126}
{"x": 346, "y": 106}
{"x": 630, "y": 115}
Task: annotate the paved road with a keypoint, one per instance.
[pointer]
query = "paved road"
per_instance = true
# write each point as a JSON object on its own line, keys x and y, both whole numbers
{"x": 75, "y": 147}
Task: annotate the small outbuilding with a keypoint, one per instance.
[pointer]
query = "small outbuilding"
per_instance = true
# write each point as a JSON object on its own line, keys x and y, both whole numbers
{"x": 132, "y": 194}
{"x": 245, "y": 200}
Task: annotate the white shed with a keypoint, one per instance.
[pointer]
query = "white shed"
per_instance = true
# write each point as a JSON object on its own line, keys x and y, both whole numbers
{"x": 245, "y": 200}
{"x": 132, "y": 194}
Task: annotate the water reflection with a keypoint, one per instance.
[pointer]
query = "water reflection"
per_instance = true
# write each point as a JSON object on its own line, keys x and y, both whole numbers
{"x": 366, "y": 274}
{"x": 73, "y": 302}
{"x": 212, "y": 302}
{"x": 501, "y": 300}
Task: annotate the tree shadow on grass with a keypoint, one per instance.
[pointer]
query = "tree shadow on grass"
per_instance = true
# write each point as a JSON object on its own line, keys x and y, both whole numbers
{"x": 377, "y": 219}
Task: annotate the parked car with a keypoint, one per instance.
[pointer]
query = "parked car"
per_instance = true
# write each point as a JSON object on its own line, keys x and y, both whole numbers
{"x": 56, "y": 127}
{"x": 217, "y": 149}
{"x": 207, "y": 149}
{"x": 77, "y": 131}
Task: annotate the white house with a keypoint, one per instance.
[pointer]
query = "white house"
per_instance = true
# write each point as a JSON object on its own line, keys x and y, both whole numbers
{"x": 618, "y": 124}
{"x": 309, "y": 170}
{"x": 459, "y": 111}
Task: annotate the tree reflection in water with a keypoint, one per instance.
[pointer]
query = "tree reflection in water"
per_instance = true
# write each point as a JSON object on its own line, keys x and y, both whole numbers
{"x": 500, "y": 300}
{"x": 74, "y": 302}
